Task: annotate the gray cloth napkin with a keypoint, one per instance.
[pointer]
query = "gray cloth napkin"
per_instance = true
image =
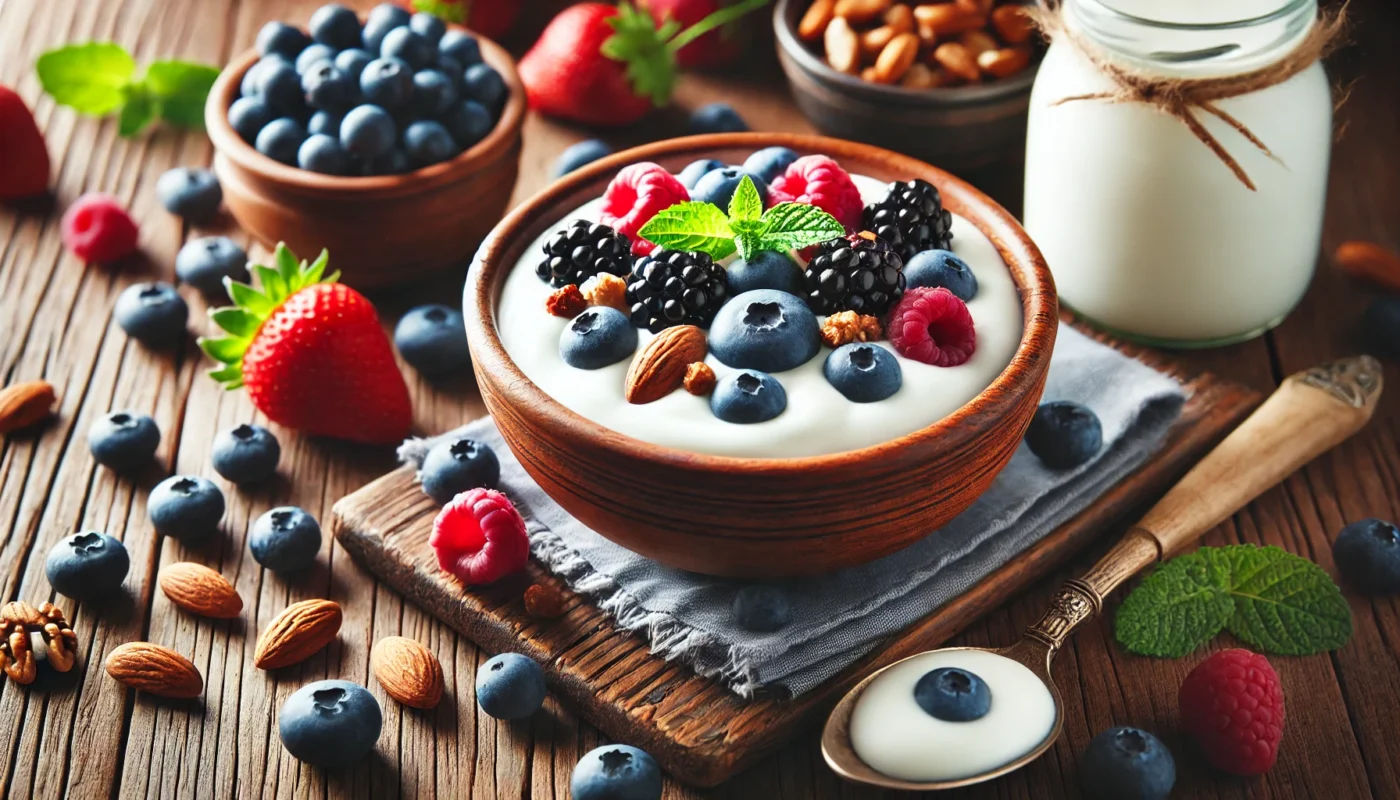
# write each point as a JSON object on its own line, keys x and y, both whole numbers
{"x": 841, "y": 616}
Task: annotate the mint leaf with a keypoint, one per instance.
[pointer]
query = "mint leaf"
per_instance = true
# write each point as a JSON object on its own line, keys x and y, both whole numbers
{"x": 749, "y": 244}
{"x": 1179, "y": 607}
{"x": 140, "y": 110}
{"x": 182, "y": 88}
{"x": 1285, "y": 604}
{"x": 745, "y": 205}
{"x": 791, "y": 226}
{"x": 89, "y": 78}
{"x": 691, "y": 226}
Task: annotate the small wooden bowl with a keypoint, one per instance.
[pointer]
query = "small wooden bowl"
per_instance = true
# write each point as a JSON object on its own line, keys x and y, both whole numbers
{"x": 957, "y": 128}
{"x": 380, "y": 230}
{"x": 758, "y": 517}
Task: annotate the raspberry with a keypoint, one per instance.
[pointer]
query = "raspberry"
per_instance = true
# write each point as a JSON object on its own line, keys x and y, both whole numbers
{"x": 97, "y": 229}
{"x": 480, "y": 537}
{"x": 820, "y": 181}
{"x": 635, "y": 196}
{"x": 1233, "y": 704}
{"x": 932, "y": 326}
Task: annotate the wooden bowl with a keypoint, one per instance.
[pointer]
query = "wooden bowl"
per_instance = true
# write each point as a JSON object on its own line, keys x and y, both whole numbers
{"x": 957, "y": 128}
{"x": 380, "y": 230}
{"x": 761, "y": 517}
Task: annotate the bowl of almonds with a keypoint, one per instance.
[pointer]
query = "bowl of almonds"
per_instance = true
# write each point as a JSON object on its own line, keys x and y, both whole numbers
{"x": 948, "y": 82}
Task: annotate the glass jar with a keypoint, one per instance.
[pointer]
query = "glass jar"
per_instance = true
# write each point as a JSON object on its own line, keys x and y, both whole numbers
{"x": 1147, "y": 231}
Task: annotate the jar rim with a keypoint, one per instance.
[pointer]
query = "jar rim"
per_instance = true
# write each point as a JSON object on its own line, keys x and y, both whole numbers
{"x": 1102, "y": 11}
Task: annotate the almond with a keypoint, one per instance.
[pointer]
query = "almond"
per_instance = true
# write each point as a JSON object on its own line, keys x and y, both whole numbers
{"x": 955, "y": 58}
{"x": 842, "y": 46}
{"x": 1005, "y": 62}
{"x": 974, "y": 6}
{"x": 901, "y": 18}
{"x": 874, "y": 40}
{"x": 200, "y": 590}
{"x": 1370, "y": 262}
{"x": 896, "y": 58}
{"x": 297, "y": 633}
{"x": 659, "y": 368}
{"x": 919, "y": 76}
{"x": 408, "y": 671}
{"x": 24, "y": 404}
{"x": 814, "y": 22}
{"x": 155, "y": 670}
{"x": 859, "y": 12}
{"x": 544, "y": 601}
{"x": 948, "y": 19}
{"x": 1011, "y": 24}
{"x": 978, "y": 42}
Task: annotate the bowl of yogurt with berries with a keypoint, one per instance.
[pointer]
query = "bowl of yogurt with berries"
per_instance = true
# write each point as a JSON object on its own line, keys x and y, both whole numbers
{"x": 761, "y": 354}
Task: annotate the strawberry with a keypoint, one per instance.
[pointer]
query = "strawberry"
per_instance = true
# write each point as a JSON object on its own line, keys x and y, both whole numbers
{"x": 490, "y": 18}
{"x": 24, "y": 160}
{"x": 717, "y": 48}
{"x": 311, "y": 353}
{"x": 609, "y": 65}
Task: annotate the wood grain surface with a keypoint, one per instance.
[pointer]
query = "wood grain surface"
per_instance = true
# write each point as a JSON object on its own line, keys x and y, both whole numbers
{"x": 83, "y": 735}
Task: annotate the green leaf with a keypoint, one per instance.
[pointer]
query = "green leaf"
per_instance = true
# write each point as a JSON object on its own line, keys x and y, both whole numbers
{"x": 1179, "y": 607}
{"x": 236, "y": 321}
{"x": 248, "y": 298}
{"x": 182, "y": 88}
{"x": 287, "y": 264}
{"x": 89, "y": 78}
{"x": 651, "y": 65}
{"x": 1285, "y": 604}
{"x": 448, "y": 10}
{"x": 231, "y": 376}
{"x": 317, "y": 269}
{"x": 140, "y": 110}
{"x": 691, "y": 226}
{"x": 224, "y": 349}
{"x": 792, "y": 226}
{"x": 270, "y": 280}
{"x": 745, "y": 205}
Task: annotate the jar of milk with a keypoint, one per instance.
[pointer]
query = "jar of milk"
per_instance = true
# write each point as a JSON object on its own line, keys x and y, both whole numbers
{"x": 1191, "y": 222}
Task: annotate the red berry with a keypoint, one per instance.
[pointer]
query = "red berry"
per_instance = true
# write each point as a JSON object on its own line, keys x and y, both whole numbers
{"x": 636, "y": 195}
{"x": 480, "y": 537}
{"x": 24, "y": 159}
{"x": 932, "y": 326}
{"x": 1233, "y": 704}
{"x": 821, "y": 182}
{"x": 97, "y": 229}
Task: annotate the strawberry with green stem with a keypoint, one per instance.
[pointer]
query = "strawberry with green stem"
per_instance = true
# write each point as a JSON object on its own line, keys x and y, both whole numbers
{"x": 311, "y": 353}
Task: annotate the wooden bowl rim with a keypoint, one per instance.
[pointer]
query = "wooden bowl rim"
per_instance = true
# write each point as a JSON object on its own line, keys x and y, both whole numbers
{"x": 1039, "y": 303}
{"x": 227, "y": 141}
{"x": 974, "y": 95}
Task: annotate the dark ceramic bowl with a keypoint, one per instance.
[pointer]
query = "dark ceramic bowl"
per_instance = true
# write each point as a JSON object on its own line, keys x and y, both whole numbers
{"x": 957, "y": 128}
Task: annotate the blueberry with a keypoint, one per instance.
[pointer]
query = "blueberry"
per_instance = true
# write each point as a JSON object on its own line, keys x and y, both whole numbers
{"x": 717, "y": 118}
{"x": 765, "y": 330}
{"x": 433, "y": 340}
{"x": 87, "y": 565}
{"x": 718, "y": 187}
{"x": 193, "y": 194}
{"x": 251, "y": 84}
{"x": 598, "y": 337}
{"x": 454, "y": 466}
{"x": 336, "y": 26}
{"x": 696, "y": 170}
{"x": 769, "y": 269}
{"x": 935, "y": 268}
{"x": 579, "y": 154}
{"x": 322, "y": 153}
{"x": 461, "y": 47}
{"x": 770, "y": 162}
{"x": 186, "y": 507}
{"x": 762, "y": 609}
{"x": 450, "y": 67}
{"x": 408, "y": 46}
{"x": 368, "y": 132}
{"x": 330, "y": 723}
{"x": 285, "y": 539}
{"x": 153, "y": 314}
{"x": 428, "y": 142}
{"x": 616, "y": 772}
{"x": 327, "y": 122}
{"x": 123, "y": 440}
{"x": 510, "y": 686}
{"x": 279, "y": 85}
{"x": 1127, "y": 764}
{"x": 1381, "y": 322}
{"x": 204, "y": 263}
{"x": 468, "y": 121}
{"x": 387, "y": 83}
{"x": 863, "y": 372}
{"x": 1368, "y": 556}
{"x": 484, "y": 85}
{"x": 1064, "y": 434}
{"x": 280, "y": 139}
{"x": 248, "y": 115}
{"x": 328, "y": 89}
{"x": 395, "y": 162}
{"x": 246, "y": 454}
{"x": 314, "y": 55}
{"x": 428, "y": 26}
{"x": 433, "y": 93}
{"x": 382, "y": 18}
{"x": 352, "y": 62}
{"x": 282, "y": 39}
{"x": 748, "y": 396}
{"x": 953, "y": 695}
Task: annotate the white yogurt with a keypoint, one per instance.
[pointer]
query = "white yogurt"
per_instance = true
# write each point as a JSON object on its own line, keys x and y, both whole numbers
{"x": 895, "y": 736}
{"x": 818, "y": 420}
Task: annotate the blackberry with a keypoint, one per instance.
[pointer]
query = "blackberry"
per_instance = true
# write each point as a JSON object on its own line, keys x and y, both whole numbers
{"x": 582, "y": 250}
{"x": 860, "y": 273}
{"x": 675, "y": 287}
{"x": 911, "y": 218}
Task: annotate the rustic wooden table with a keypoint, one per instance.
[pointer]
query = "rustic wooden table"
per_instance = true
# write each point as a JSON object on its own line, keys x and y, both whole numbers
{"x": 85, "y": 736}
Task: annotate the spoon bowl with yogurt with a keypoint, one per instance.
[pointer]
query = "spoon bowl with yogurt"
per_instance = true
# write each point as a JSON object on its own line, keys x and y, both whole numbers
{"x": 881, "y": 733}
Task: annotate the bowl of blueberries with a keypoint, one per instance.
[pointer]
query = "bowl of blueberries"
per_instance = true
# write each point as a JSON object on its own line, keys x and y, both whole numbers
{"x": 392, "y": 139}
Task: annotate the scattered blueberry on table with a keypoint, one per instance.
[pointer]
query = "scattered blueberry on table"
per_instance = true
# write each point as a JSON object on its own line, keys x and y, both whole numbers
{"x": 193, "y": 194}
{"x": 454, "y": 466}
{"x": 186, "y": 507}
{"x": 863, "y": 372}
{"x": 953, "y": 695}
{"x": 935, "y": 268}
{"x": 510, "y": 686}
{"x": 765, "y": 330}
{"x": 153, "y": 314}
{"x": 204, "y": 263}
{"x": 285, "y": 539}
{"x": 1127, "y": 764}
{"x": 616, "y": 772}
{"x": 717, "y": 118}
{"x": 768, "y": 269}
{"x": 433, "y": 340}
{"x": 580, "y": 154}
{"x": 87, "y": 565}
{"x": 748, "y": 396}
{"x": 599, "y": 337}
{"x": 762, "y": 609}
{"x": 330, "y": 723}
{"x": 1381, "y": 322}
{"x": 246, "y": 454}
{"x": 1368, "y": 556}
{"x": 1064, "y": 435}
{"x": 123, "y": 440}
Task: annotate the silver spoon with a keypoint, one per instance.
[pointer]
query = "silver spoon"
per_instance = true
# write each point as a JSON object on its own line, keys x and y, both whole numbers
{"x": 1309, "y": 413}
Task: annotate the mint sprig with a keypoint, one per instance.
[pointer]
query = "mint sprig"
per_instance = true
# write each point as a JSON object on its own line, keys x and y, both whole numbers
{"x": 1267, "y": 597}
{"x": 100, "y": 78}
{"x": 747, "y": 228}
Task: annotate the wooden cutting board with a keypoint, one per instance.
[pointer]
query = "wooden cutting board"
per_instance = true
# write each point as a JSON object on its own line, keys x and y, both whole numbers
{"x": 698, "y": 730}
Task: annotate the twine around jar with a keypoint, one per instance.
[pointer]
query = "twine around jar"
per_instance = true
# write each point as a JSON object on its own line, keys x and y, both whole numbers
{"x": 1181, "y": 97}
